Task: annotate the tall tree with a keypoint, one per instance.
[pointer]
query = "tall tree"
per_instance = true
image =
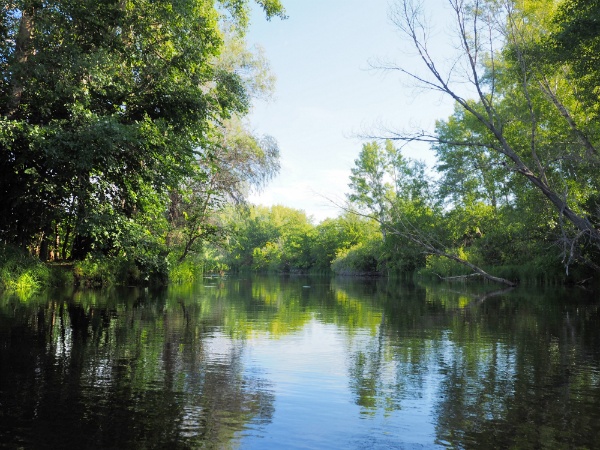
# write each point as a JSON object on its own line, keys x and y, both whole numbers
{"x": 105, "y": 102}
{"x": 239, "y": 163}
{"x": 235, "y": 162}
{"x": 574, "y": 41}
{"x": 522, "y": 117}
{"x": 370, "y": 181}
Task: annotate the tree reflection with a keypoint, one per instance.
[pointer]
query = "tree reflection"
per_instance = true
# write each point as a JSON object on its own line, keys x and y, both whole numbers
{"x": 132, "y": 368}
{"x": 121, "y": 371}
{"x": 509, "y": 369}
{"x": 533, "y": 388}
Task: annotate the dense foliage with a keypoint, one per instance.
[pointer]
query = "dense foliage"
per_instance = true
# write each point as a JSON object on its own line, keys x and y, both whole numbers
{"x": 283, "y": 239}
{"x": 518, "y": 173}
{"x": 515, "y": 193}
{"x": 114, "y": 114}
{"x": 124, "y": 146}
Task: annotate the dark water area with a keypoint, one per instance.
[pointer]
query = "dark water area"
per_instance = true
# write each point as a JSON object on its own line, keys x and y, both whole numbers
{"x": 259, "y": 363}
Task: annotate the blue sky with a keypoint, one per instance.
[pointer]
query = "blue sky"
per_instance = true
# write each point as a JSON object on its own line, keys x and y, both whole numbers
{"x": 327, "y": 93}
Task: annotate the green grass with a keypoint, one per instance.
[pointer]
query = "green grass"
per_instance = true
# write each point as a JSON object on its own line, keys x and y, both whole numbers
{"x": 21, "y": 273}
{"x": 185, "y": 272}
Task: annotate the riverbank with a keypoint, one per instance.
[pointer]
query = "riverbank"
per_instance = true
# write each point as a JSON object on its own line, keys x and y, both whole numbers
{"x": 25, "y": 274}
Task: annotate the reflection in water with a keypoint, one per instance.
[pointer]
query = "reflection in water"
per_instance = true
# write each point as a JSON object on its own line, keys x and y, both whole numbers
{"x": 301, "y": 363}
{"x": 126, "y": 370}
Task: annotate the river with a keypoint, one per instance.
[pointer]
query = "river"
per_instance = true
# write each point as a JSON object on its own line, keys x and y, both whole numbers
{"x": 301, "y": 362}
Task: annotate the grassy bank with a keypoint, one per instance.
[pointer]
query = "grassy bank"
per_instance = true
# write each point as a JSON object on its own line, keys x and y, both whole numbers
{"x": 539, "y": 271}
{"x": 20, "y": 272}
{"x": 25, "y": 274}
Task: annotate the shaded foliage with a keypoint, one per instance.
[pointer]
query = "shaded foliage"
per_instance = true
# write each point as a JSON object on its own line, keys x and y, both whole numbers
{"x": 107, "y": 107}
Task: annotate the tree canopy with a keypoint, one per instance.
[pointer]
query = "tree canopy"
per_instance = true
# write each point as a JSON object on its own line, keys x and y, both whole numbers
{"x": 525, "y": 143}
{"x": 105, "y": 107}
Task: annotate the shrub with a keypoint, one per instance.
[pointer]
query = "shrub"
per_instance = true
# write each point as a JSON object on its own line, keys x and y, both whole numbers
{"x": 361, "y": 259}
{"x": 61, "y": 275}
{"x": 95, "y": 272}
{"x": 440, "y": 266}
{"x": 185, "y": 272}
{"x": 21, "y": 272}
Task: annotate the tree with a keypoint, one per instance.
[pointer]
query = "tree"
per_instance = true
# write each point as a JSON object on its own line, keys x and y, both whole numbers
{"x": 396, "y": 193}
{"x": 469, "y": 174}
{"x": 520, "y": 114}
{"x": 277, "y": 238}
{"x": 239, "y": 163}
{"x": 107, "y": 103}
{"x": 574, "y": 43}
{"x": 334, "y": 236}
{"x": 369, "y": 187}
{"x": 236, "y": 161}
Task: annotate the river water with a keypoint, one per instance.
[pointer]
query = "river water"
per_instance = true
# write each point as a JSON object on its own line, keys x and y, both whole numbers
{"x": 298, "y": 362}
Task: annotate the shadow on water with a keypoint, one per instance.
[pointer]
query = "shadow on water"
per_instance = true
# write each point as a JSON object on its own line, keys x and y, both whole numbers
{"x": 398, "y": 364}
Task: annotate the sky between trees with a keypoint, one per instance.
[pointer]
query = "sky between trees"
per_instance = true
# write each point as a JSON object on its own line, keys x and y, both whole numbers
{"x": 327, "y": 94}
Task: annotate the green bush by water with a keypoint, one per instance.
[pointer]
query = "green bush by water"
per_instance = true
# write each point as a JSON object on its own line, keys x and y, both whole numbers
{"x": 100, "y": 271}
{"x": 437, "y": 266}
{"x": 95, "y": 272}
{"x": 20, "y": 272}
{"x": 537, "y": 271}
{"x": 185, "y": 272}
{"x": 360, "y": 259}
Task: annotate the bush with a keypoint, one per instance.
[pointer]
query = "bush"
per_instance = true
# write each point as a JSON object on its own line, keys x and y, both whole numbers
{"x": 440, "y": 266}
{"x": 101, "y": 271}
{"x": 96, "y": 272}
{"x": 361, "y": 259}
{"x": 185, "y": 272}
{"x": 61, "y": 275}
{"x": 21, "y": 272}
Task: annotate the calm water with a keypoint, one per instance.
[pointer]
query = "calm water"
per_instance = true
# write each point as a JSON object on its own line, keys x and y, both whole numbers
{"x": 301, "y": 363}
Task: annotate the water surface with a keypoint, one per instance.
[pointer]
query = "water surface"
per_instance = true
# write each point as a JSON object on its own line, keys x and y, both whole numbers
{"x": 258, "y": 363}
